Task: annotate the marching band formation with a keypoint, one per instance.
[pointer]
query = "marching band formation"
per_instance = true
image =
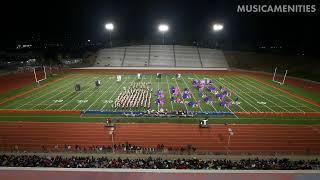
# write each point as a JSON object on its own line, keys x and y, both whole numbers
{"x": 138, "y": 94}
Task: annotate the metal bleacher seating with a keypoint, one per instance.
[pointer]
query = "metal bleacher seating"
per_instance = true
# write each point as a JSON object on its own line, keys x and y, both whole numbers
{"x": 161, "y": 56}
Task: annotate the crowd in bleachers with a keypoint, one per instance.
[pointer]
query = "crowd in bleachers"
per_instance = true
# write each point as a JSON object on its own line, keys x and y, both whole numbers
{"x": 118, "y": 148}
{"x": 154, "y": 163}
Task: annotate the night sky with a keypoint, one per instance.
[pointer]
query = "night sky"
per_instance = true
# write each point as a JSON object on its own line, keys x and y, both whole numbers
{"x": 136, "y": 20}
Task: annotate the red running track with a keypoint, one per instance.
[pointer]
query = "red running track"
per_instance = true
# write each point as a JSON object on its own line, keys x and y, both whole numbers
{"x": 246, "y": 138}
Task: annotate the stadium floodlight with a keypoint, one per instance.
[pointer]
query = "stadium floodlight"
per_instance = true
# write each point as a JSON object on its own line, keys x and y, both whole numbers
{"x": 163, "y": 28}
{"x": 217, "y": 27}
{"x": 109, "y": 27}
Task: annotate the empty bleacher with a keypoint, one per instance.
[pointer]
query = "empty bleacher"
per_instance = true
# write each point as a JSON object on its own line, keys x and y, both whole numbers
{"x": 110, "y": 57}
{"x": 187, "y": 56}
{"x": 136, "y": 56}
{"x": 212, "y": 58}
{"x": 161, "y": 56}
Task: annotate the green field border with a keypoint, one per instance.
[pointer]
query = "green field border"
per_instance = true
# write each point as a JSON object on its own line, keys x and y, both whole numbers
{"x": 289, "y": 120}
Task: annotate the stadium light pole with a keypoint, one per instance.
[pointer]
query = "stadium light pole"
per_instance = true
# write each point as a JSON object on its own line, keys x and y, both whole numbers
{"x": 111, "y": 132}
{"x": 163, "y": 28}
{"x": 109, "y": 27}
{"x": 230, "y": 134}
{"x": 217, "y": 27}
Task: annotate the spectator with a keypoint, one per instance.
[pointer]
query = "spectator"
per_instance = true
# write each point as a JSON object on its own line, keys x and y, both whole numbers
{"x": 157, "y": 163}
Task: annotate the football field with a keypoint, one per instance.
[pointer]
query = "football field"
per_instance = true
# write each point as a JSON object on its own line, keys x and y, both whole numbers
{"x": 246, "y": 94}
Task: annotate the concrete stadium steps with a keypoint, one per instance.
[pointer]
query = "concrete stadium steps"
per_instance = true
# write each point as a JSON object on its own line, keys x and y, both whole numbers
{"x": 212, "y": 58}
{"x": 136, "y": 56}
{"x": 110, "y": 57}
{"x": 161, "y": 56}
{"x": 187, "y": 56}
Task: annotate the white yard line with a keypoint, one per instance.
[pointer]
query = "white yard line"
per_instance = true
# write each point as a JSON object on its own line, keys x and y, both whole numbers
{"x": 159, "y": 90}
{"x": 169, "y": 93}
{"x": 273, "y": 90}
{"x": 257, "y": 90}
{"x": 79, "y": 93}
{"x": 242, "y": 98}
{"x": 33, "y": 94}
{"x": 115, "y": 92}
{"x": 180, "y": 93}
{"x": 63, "y": 97}
{"x": 49, "y": 92}
{"x": 252, "y": 96}
{"x": 193, "y": 96}
{"x": 232, "y": 112}
{"x": 210, "y": 103}
{"x": 100, "y": 96}
{"x": 94, "y": 91}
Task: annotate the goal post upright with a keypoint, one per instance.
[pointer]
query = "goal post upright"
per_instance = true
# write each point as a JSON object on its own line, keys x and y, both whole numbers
{"x": 274, "y": 74}
{"x": 45, "y": 73}
{"x": 35, "y": 74}
{"x": 284, "y": 78}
